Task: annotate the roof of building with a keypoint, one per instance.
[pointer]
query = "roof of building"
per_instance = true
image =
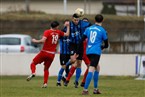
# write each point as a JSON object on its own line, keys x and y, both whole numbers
{"x": 123, "y": 1}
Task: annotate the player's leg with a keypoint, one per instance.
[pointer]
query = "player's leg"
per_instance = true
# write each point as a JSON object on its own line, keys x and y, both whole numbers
{"x": 71, "y": 72}
{"x": 68, "y": 63}
{"x": 88, "y": 80}
{"x": 67, "y": 59}
{"x": 33, "y": 69}
{"x": 78, "y": 73}
{"x": 62, "y": 62}
{"x": 64, "y": 58}
{"x": 87, "y": 62}
{"x": 47, "y": 63}
{"x": 73, "y": 57}
{"x": 84, "y": 77}
{"x": 60, "y": 75}
{"x": 96, "y": 78}
{"x": 66, "y": 71}
{"x": 37, "y": 59}
{"x": 78, "y": 70}
{"x": 45, "y": 78}
{"x": 94, "y": 62}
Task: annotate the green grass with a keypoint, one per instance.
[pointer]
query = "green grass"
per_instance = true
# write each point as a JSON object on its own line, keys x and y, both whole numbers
{"x": 17, "y": 86}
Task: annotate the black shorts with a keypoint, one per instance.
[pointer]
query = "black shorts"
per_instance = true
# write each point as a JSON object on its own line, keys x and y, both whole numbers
{"x": 64, "y": 58}
{"x": 73, "y": 50}
{"x": 94, "y": 59}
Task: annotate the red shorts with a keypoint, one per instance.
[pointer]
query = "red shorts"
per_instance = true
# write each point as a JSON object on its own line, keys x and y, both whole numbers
{"x": 45, "y": 57}
{"x": 85, "y": 58}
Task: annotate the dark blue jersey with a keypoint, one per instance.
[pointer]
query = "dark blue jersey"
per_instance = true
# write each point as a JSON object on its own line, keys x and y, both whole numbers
{"x": 76, "y": 31}
{"x": 64, "y": 44}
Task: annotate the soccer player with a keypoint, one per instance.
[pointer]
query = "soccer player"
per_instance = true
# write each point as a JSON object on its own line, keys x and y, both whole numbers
{"x": 85, "y": 58}
{"x": 64, "y": 55}
{"x": 87, "y": 61}
{"x": 50, "y": 39}
{"x": 77, "y": 28}
{"x": 96, "y": 34}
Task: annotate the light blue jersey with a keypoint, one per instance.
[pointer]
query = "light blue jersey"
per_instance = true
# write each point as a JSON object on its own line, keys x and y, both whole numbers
{"x": 96, "y": 35}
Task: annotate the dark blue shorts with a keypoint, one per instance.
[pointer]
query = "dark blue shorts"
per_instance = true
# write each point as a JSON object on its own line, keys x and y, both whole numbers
{"x": 94, "y": 59}
{"x": 64, "y": 58}
{"x": 74, "y": 48}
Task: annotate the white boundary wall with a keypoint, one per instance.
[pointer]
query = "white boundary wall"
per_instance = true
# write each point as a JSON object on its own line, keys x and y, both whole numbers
{"x": 111, "y": 64}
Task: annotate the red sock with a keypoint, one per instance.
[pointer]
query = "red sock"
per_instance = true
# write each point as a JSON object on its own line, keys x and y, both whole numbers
{"x": 85, "y": 75}
{"x": 71, "y": 72}
{"x": 46, "y": 75}
{"x": 33, "y": 68}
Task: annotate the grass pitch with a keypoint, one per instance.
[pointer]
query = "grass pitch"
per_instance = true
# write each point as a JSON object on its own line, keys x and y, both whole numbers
{"x": 17, "y": 86}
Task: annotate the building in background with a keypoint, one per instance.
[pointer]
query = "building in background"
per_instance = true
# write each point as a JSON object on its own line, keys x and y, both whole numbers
{"x": 52, "y": 6}
{"x": 118, "y": 7}
{"x": 126, "y": 7}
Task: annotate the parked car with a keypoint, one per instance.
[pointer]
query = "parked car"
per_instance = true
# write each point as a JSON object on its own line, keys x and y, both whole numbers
{"x": 17, "y": 43}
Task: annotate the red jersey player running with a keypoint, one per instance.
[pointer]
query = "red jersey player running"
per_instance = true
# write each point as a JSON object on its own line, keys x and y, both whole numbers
{"x": 50, "y": 39}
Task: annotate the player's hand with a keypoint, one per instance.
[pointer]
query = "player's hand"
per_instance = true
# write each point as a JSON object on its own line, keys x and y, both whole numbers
{"x": 75, "y": 55}
{"x": 34, "y": 40}
{"x": 66, "y": 23}
{"x": 102, "y": 47}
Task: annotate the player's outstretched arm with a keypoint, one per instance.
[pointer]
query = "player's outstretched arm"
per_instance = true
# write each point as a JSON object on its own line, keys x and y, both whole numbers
{"x": 42, "y": 40}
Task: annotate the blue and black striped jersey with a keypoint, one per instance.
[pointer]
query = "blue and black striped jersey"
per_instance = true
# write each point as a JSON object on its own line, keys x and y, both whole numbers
{"x": 76, "y": 31}
{"x": 64, "y": 44}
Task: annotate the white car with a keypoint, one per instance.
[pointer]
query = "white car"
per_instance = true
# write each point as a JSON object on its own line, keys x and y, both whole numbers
{"x": 17, "y": 43}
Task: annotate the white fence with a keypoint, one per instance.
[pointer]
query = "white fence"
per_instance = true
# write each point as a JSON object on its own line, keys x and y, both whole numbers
{"x": 111, "y": 64}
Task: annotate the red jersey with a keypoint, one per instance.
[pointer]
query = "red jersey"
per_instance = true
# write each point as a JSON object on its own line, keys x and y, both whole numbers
{"x": 52, "y": 39}
{"x": 85, "y": 45}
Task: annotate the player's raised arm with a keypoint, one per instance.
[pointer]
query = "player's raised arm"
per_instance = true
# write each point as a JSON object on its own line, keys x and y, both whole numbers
{"x": 68, "y": 29}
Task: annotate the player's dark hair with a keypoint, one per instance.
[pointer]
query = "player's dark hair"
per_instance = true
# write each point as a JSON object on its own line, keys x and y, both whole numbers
{"x": 54, "y": 24}
{"x": 66, "y": 20}
{"x": 99, "y": 18}
{"x": 75, "y": 15}
{"x": 85, "y": 19}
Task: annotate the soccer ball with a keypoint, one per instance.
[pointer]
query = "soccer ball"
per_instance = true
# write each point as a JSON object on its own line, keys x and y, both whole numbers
{"x": 79, "y": 12}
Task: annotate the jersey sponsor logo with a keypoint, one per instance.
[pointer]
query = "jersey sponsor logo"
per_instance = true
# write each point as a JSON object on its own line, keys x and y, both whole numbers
{"x": 72, "y": 52}
{"x": 63, "y": 62}
{"x": 89, "y": 46}
{"x": 66, "y": 40}
{"x": 95, "y": 28}
{"x": 77, "y": 33}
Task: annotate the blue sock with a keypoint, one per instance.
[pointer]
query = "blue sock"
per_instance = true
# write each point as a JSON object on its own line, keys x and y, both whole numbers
{"x": 88, "y": 80}
{"x": 96, "y": 78}
{"x": 60, "y": 74}
{"x": 68, "y": 63}
{"x": 78, "y": 74}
